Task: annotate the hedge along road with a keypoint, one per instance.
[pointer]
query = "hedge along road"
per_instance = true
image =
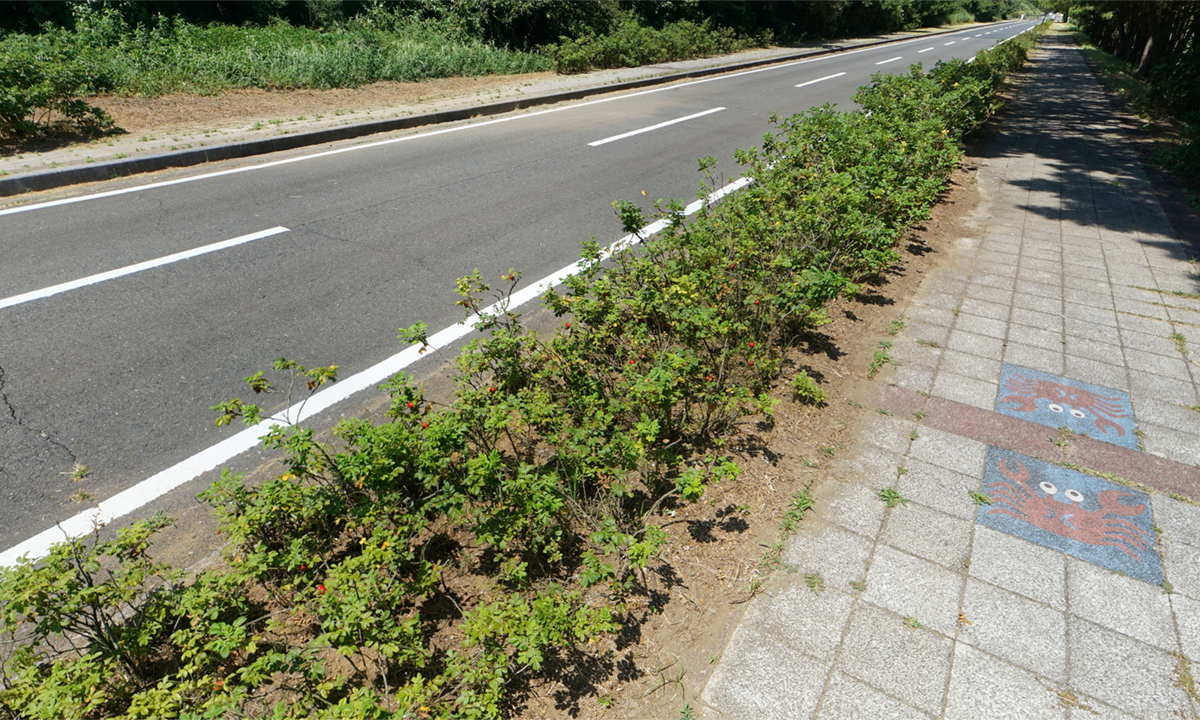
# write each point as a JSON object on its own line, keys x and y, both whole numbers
{"x": 126, "y": 314}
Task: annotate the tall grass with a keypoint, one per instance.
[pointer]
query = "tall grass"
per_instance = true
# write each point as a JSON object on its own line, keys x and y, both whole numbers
{"x": 171, "y": 55}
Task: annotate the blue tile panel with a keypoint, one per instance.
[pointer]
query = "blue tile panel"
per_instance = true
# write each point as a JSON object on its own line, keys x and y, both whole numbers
{"x": 1085, "y": 516}
{"x": 1097, "y": 412}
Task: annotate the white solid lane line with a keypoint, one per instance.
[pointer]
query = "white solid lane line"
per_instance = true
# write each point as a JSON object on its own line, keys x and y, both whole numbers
{"x": 131, "y": 269}
{"x": 925, "y": 50}
{"x": 827, "y": 77}
{"x": 431, "y": 133}
{"x": 631, "y": 133}
{"x": 128, "y": 501}
{"x": 885, "y": 62}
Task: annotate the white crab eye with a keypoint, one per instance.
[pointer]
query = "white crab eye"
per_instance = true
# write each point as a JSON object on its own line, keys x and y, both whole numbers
{"x": 1056, "y": 407}
{"x": 1077, "y": 412}
{"x": 1048, "y": 488}
{"x": 1074, "y": 495}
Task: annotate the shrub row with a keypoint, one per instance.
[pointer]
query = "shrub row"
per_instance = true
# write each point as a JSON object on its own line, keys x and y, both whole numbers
{"x": 631, "y": 44}
{"x": 435, "y": 564}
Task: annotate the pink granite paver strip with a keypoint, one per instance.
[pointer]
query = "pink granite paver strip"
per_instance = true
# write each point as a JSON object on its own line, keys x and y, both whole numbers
{"x": 1037, "y": 440}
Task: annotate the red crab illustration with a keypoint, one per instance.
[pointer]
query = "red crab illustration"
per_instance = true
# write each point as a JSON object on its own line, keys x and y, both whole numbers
{"x": 1020, "y": 499}
{"x": 1028, "y": 392}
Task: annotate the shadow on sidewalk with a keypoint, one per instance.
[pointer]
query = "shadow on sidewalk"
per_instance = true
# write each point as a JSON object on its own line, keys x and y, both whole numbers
{"x": 1097, "y": 181}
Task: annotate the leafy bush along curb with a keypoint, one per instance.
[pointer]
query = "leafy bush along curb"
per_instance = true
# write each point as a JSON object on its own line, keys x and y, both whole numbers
{"x": 435, "y": 565}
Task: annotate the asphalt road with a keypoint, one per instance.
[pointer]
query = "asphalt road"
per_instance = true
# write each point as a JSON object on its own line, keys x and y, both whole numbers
{"x": 119, "y": 374}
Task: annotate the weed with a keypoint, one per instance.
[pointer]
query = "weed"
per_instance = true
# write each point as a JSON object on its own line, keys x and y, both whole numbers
{"x": 801, "y": 503}
{"x": 1180, "y": 343}
{"x": 78, "y": 472}
{"x": 120, "y": 156}
{"x": 807, "y": 391}
{"x": 1184, "y": 680}
{"x": 1193, "y": 408}
{"x": 891, "y": 497}
{"x": 858, "y": 586}
{"x": 1063, "y": 439}
{"x": 814, "y": 582}
{"x": 913, "y": 435}
{"x": 979, "y": 498}
{"x": 884, "y": 411}
{"x": 896, "y": 326}
{"x": 912, "y": 622}
{"x": 687, "y": 713}
{"x": 919, "y": 415}
{"x": 881, "y": 358}
{"x": 828, "y": 450}
{"x": 1167, "y": 587}
{"x": 901, "y": 471}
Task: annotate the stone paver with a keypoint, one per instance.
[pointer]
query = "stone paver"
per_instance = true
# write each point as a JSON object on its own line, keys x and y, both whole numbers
{"x": 1072, "y": 594}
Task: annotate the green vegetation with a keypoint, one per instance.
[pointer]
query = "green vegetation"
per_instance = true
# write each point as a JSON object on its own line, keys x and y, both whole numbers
{"x": 806, "y": 389}
{"x": 446, "y": 561}
{"x": 891, "y": 497}
{"x": 53, "y": 55}
{"x": 1151, "y": 56}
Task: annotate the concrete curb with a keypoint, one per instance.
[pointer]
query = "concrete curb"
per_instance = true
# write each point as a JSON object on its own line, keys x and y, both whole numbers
{"x": 49, "y": 179}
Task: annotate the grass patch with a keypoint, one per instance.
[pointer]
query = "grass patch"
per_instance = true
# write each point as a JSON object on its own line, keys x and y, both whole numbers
{"x": 891, "y": 497}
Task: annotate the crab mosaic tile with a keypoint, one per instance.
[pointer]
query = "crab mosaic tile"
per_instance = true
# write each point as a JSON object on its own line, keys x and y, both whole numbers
{"x": 1092, "y": 410}
{"x": 1084, "y": 516}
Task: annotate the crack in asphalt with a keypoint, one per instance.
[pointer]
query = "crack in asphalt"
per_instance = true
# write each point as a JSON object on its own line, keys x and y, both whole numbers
{"x": 6, "y": 404}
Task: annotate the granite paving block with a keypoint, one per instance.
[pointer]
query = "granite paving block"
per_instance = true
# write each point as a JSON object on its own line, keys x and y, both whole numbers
{"x": 973, "y": 366}
{"x": 980, "y": 325}
{"x": 835, "y": 553}
{"x": 851, "y": 505}
{"x": 1041, "y": 304}
{"x": 761, "y": 678}
{"x": 849, "y": 699}
{"x": 1180, "y": 446}
{"x": 939, "y": 488}
{"x": 1173, "y": 367}
{"x": 989, "y": 294}
{"x": 1120, "y": 603}
{"x": 871, "y": 466}
{"x": 949, "y": 451}
{"x": 1183, "y": 566}
{"x": 1178, "y": 521}
{"x": 1104, "y": 350}
{"x": 1019, "y": 566}
{"x": 1044, "y": 338}
{"x": 1026, "y": 286}
{"x": 889, "y": 433}
{"x": 1103, "y": 663}
{"x": 910, "y": 586}
{"x": 1187, "y": 616}
{"x": 1055, "y": 401}
{"x": 1156, "y": 344}
{"x": 1095, "y": 316}
{"x": 966, "y": 390}
{"x": 913, "y": 377}
{"x": 975, "y": 344}
{"x": 804, "y": 620}
{"x": 1145, "y": 384}
{"x": 1015, "y": 628}
{"x": 1049, "y": 361}
{"x": 1171, "y": 415}
{"x": 909, "y": 664}
{"x": 927, "y": 533}
{"x": 1100, "y": 373}
{"x": 1032, "y": 318}
{"x": 928, "y": 332}
{"x": 982, "y": 686}
{"x": 984, "y": 308}
{"x": 1082, "y": 515}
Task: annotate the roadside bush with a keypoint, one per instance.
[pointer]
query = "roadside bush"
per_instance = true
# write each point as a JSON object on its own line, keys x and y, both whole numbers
{"x": 435, "y": 564}
{"x": 630, "y": 44}
{"x": 41, "y": 82}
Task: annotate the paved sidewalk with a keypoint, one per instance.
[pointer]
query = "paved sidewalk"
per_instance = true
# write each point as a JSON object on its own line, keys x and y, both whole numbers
{"x": 1053, "y": 334}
